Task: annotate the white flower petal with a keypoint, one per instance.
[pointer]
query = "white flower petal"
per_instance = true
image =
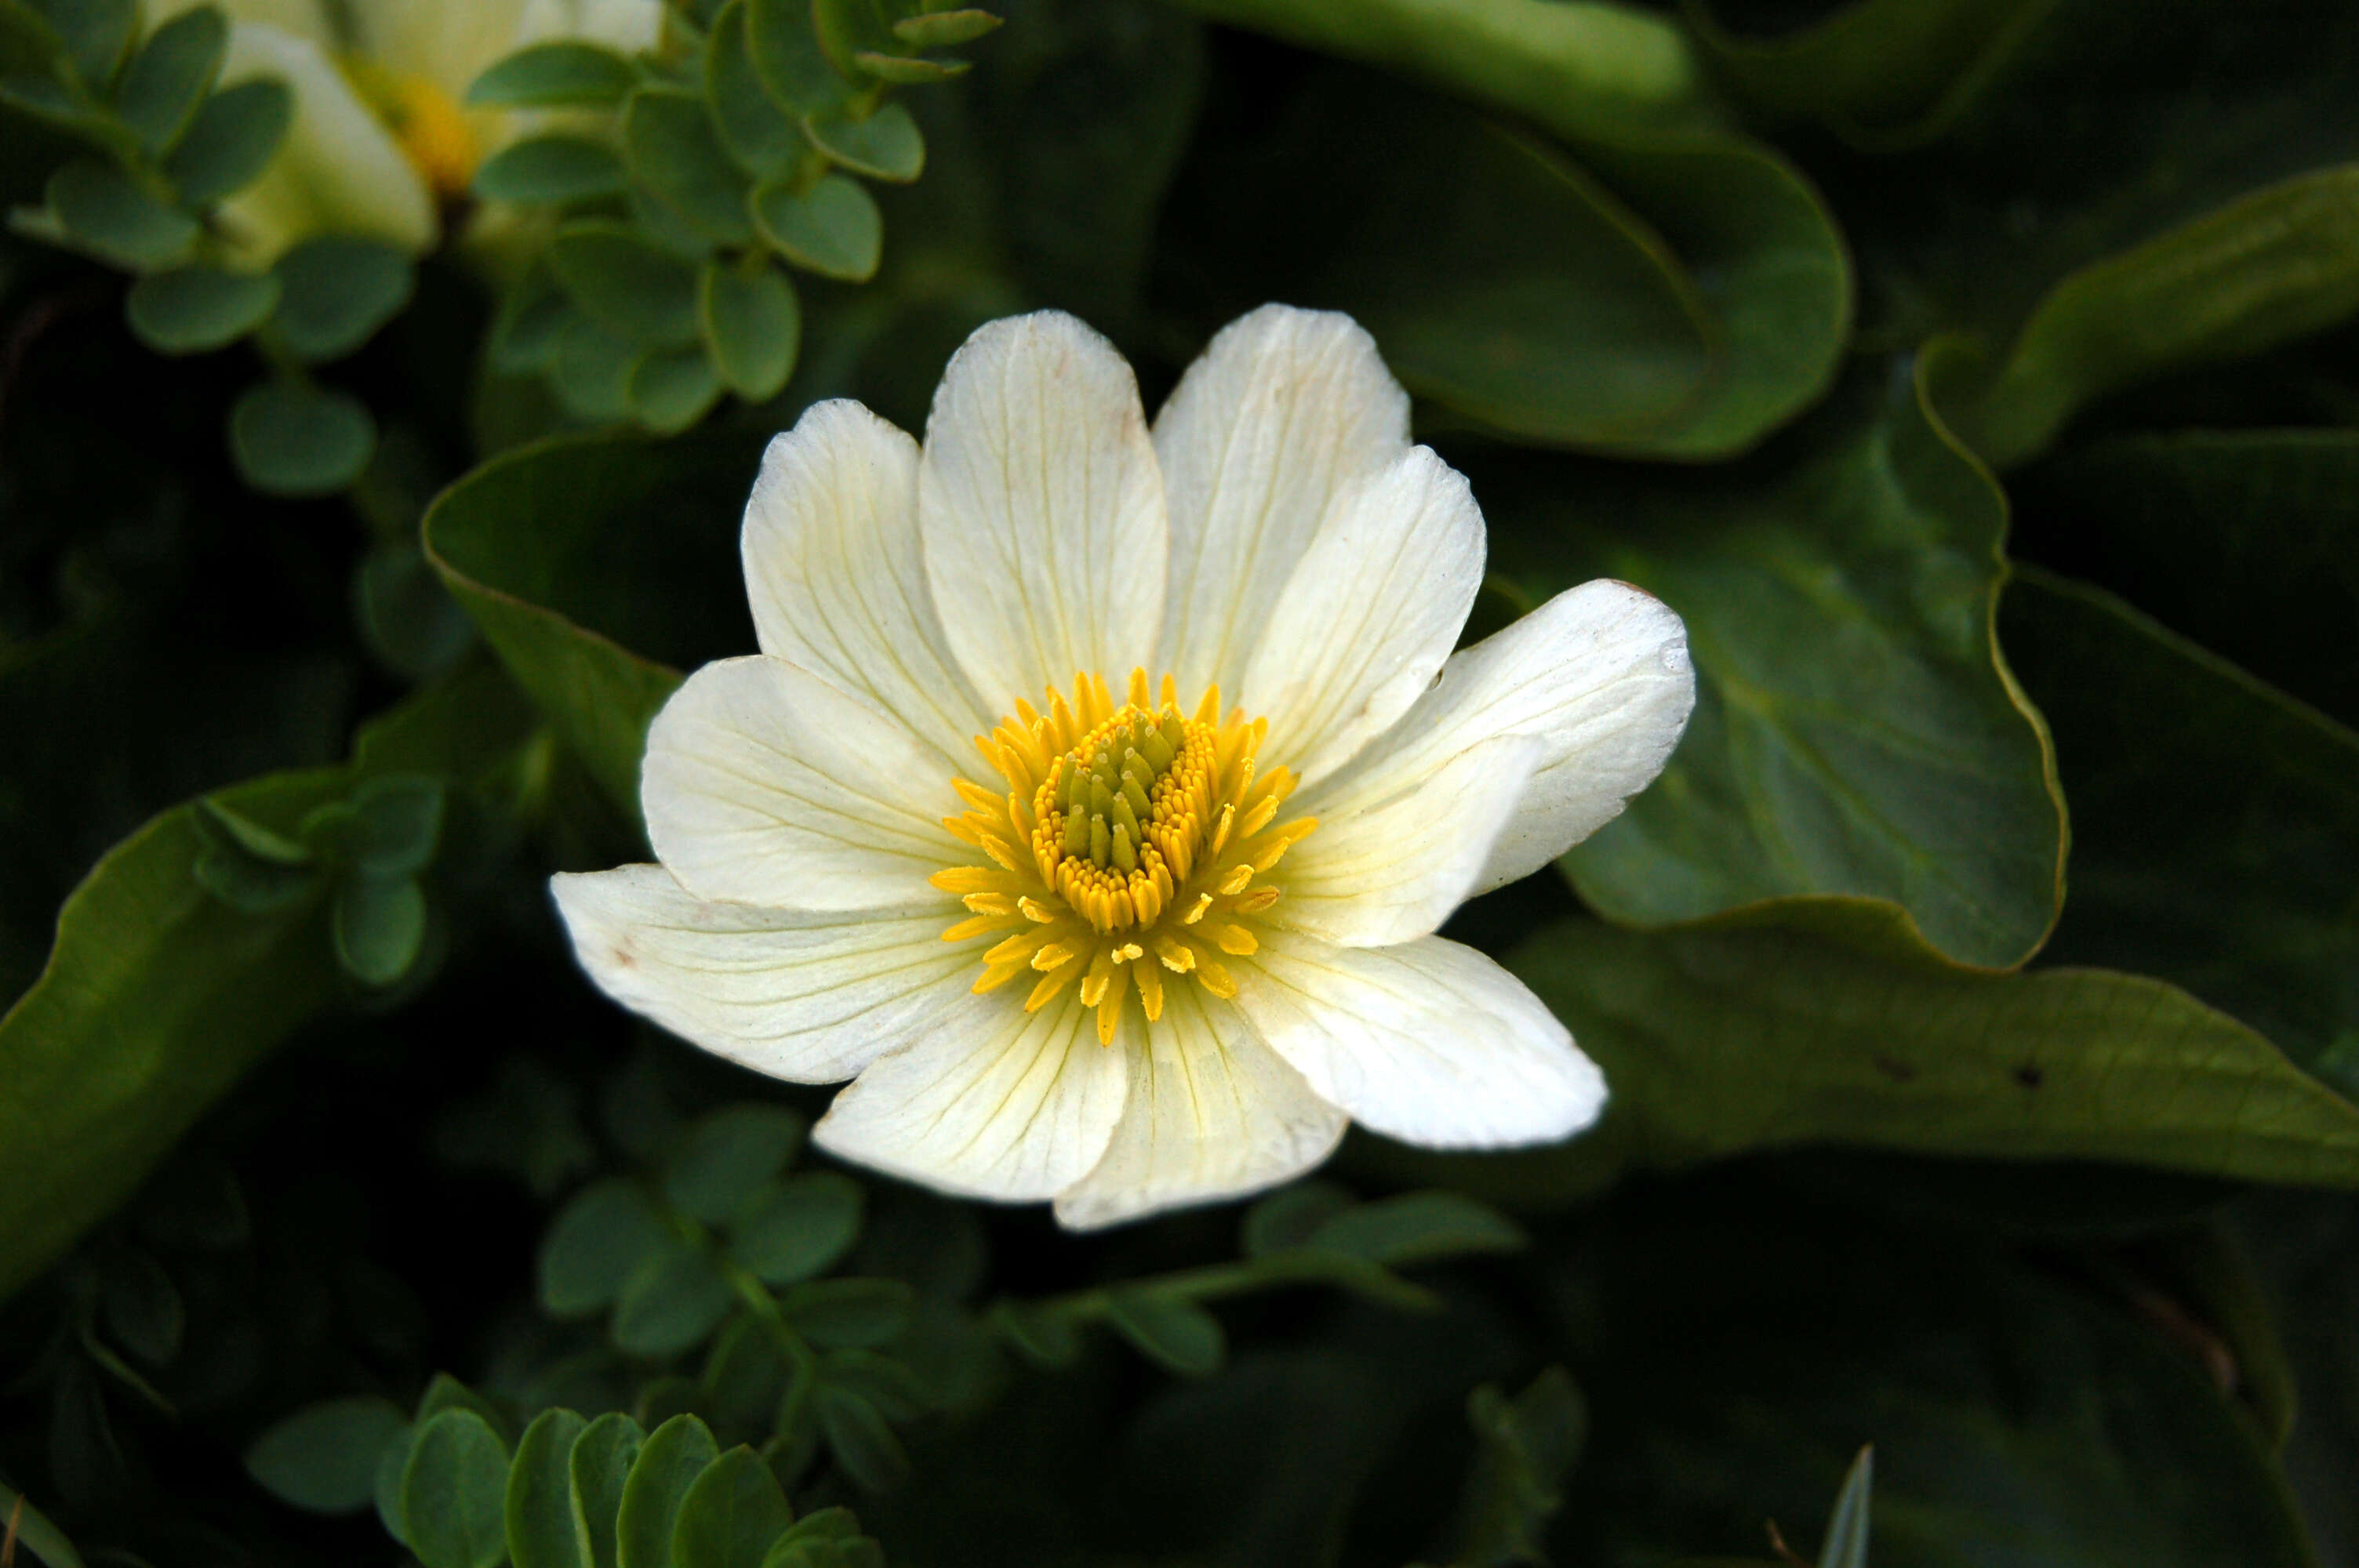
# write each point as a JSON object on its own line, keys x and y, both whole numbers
{"x": 338, "y": 171}
{"x": 994, "y": 1102}
{"x": 1369, "y": 615}
{"x": 1429, "y": 1042}
{"x": 1211, "y": 1113}
{"x": 812, "y": 998}
{"x": 1287, "y": 412}
{"x": 1376, "y": 875}
{"x": 1600, "y": 675}
{"x": 1041, "y": 510}
{"x": 764, "y": 785}
{"x": 837, "y": 577}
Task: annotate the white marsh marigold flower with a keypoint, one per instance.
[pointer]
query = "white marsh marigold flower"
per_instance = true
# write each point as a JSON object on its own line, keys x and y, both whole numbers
{"x": 1173, "y": 927}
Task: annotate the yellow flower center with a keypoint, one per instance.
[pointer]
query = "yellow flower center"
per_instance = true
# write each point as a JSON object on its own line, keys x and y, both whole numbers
{"x": 433, "y": 130}
{"x": 1124, "y": 846}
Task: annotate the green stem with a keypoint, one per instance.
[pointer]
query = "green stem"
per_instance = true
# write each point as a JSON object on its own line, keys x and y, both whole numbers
{"x": 1216, "y": 1281}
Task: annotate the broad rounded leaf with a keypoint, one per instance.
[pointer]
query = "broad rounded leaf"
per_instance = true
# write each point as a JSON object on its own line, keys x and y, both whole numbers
{"x": 324, "y": 1458}
{"x": 752, "y": 327}
{"x": 550, "y": 168}
{"x": 599, "y": 1239}
{"x": 562, "y": 73}
{"x": 1172, "y": 1331}
{"x": 675, "y": 152}
{"x": 832, "y": 228}
{"x": 104, "y": 211}
{"x": 674, "y": 1456}
{"x": 1417, "y": 1228}
{"x": 850, "y": 1312}
{"x": 671, "y": 1303}
{"x": 764, "y": 138}
{"x": 886, "y": 144}
{"x": 335, "y": 292}
{"x": 600, "y": 1465}
{"x": 626, "y": 283}
{"x": 162, "y": 85}
{"x": 671, "y": 388}
{"x": 862, "y": 1440}
{"x": 729, "y": 1156}
{"x": 730, "y": 1514}
{"x": 193, "y": 309}
{"x": 540, "y": 1504}
{"x": 799, "y": 1229}
{"x": 231, "y": 140}
{"x": 380, "y": 925}
{"x": 454, "y": 1493}
{"x": 293, "y": 439}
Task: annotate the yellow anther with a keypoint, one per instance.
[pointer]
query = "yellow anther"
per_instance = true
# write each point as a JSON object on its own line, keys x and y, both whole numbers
{"x": 1032, "y": 909}
{"x": 1235, "y": 940}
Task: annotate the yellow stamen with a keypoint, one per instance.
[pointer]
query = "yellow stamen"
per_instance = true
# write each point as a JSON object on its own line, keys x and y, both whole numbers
{"x": 1123, "y": 824}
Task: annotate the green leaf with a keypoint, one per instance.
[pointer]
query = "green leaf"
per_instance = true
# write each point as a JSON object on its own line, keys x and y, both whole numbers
{"x": 1830, "y": 1020}
{"x": 1417, "y": 1228}
{"x": 453, "y": 1492}
{"x": 144, "y": 1310}
{"x": 845, "y": 28}
{"x": 602, "y": 1459}
{"x": 730, "y": 1514}
{"x": 671, "y": 388}
{"x": 764, "y": 138}
{"x": 195, "y": 309}
{"x": 945, "y": 29}
{"x": 904, "y": 72}
{"x": 1854, "y": 730}
{"x": 885, "y": 145}
{"x": 95, "y": 32}
{"x": 540, "y": 1504}
{"x": 2216, "y": 821}
{"x": 251, "y": 886}
{"x": 290, "y": 437}
{"x": 893, "y": 1387}
{"x": 856, "y": 1314}
{"x": 592, "y": 368}
{"x": 447, "y": 1393}
{"x": 1846, "y": 1545}
{"x": 799, "y": 1229}
{"x": 674, "y": 151}
{"x": 566, "y": 73}
{"x": 1751, "y": 1343}
{"x": 626, "y": 283}
{"x": 536, "y": 546}
{"x": 2237, "y": 539}
{"x": 728, "y": 1156}
{"x": 47, "y": 99}
{"x": 1289, "y": 1216}
{"x": 752, "y": 327}
{"x": 251, "y": 837}
{"x": 324, "y": 1457}
{"x": 832, "y": 228}
{"x": 168, "y": 78}
{"x": 103, "y": 211}
{"x": 672, "y": 1302}
{"x": 231, "y": 140}
{"x": 863, "y": 1442}
{"x": 679, "y": 1451}
{"x": 828, "y": 1539}
{"x": 157, "y": 997}
{"x": 1524, "y": 1449}
{"x": 35, "y": 1534}
{"x": 336, "y": 292}
{"x": 550, "y": 168}
{"x": 2273, "y": 264}
{"x": 1883, "y": 74}
{"x": 533, "y": 318}
{"x": 598, "y": 1241}
{"x": 784, "y": 49}
{"x": 1169, "y": 1330}
{"x": 1581, "y": 70}
{"x": 400, "y": 823}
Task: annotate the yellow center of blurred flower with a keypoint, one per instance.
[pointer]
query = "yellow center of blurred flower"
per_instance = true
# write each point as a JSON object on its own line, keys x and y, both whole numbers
{"x": 1125, "y": 845}
{"x": 433, "y": 129}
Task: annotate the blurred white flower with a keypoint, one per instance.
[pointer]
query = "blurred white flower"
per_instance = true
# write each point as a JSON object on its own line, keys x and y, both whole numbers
{"x": 380, "y": 139}
{"x": 1179, "y": 928}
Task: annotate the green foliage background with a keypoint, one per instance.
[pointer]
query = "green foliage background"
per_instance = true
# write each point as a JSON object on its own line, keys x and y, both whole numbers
{"x": 1979, "y": 988}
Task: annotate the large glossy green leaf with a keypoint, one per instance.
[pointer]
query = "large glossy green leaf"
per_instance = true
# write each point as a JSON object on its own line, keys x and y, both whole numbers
{"x": 1855, "y": 731}
{"x": 1829, "y": 1020}
{"x": 2239, "y": 539}
{"x": 2216, "y": 821}
{"x": 2273, "y": 264}
{"x": 1575, "y": 67}
{"x": 574, "y": 552}
{"x": 1881, "y": 73}
{"x": 1651, "y": 290}
{"x": 1741, "y": 1348}
{"x": 157, "y": 996}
